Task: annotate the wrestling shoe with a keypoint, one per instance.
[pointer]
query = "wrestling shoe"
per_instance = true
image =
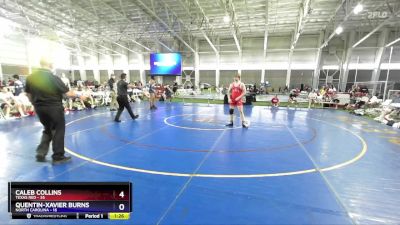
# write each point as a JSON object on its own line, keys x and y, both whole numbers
{"x": 62, "y": 160}
{"x": 229, "y": 124}
{"x": 40, "y": 158}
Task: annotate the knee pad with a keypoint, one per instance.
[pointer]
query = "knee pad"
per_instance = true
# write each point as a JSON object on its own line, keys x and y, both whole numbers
{"x": 231, "y": 111}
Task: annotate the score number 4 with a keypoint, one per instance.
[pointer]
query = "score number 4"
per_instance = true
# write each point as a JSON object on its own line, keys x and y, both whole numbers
{"x": 121, "y": 194}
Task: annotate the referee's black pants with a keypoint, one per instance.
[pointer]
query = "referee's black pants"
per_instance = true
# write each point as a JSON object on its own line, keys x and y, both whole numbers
{"x": 53, "y": 120}
{"x": 123, "y": 103}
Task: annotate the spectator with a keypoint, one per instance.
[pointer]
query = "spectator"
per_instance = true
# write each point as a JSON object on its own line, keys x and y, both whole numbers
{"x": 18, "y": 85}
{"x": 5, "y": 102}
{"x": 168, "y": 93}
{"x": 286, "y": 89}
{"x": 65, "y": 80}
{"x": 89, "y": 100}
{"x": 275, "y": 101}
{"x": 79, "y": 84}
{"x": 360, "y": 103}
{"x": 23, "y": 100}
{"x": 10, "y": 82}
{"x": 392, "y": 118}
{"x": 330, "y": 93}
{"x": 312, "y": 98}
{"x": 78, "y": 103}
{"x": 322, "y": 91}
{"x": 139, "y": 85}
{"x": 68, "y": 101}
{"x": 113, "y": 94}
{"x": 374, "y": 101}
{"x": 293, "y": 96}
{"x": 8, "y": 103}
{"x": 396, "y": 97}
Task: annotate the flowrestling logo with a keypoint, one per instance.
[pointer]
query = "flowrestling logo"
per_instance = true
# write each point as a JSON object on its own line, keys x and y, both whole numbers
{"x": 378, "y": 15}
{"x": 165, "y": 64}
{"x": 381, "y": 15}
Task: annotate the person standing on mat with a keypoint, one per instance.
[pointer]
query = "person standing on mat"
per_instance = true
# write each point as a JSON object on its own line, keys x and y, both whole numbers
{"x": 18, "y": 85}
{"x": 236, "y": 92}
{"x": 45, "y": 91}
{"x": 113, "y": 95}
{"x": 152, "y": 93}
{"x": 122, "y": 99}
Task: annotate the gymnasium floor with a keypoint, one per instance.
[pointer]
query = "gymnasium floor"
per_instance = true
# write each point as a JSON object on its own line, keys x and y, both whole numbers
{"x": 290, "y": 167}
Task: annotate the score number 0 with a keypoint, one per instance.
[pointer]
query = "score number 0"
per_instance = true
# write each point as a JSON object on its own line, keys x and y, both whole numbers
{"x": 121, "y": 206}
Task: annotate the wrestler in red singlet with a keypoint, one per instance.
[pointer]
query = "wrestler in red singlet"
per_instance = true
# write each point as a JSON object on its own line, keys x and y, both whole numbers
{"x": 236, "y": 91}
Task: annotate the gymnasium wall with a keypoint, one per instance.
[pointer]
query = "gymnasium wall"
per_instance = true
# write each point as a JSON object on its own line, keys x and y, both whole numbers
{"x": 14, "y": 58}
{"x": 13, "y": 50}
{"x": 207, "y": 76}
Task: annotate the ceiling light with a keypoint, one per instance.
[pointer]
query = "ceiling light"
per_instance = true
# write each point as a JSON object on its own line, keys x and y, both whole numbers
{"x": 358, "y": 9}
{"x": 227, "y": 19}
{"x": 339, "y": 30}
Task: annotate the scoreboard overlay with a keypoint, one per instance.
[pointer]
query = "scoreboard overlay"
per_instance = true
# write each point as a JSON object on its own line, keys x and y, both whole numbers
{"x": 70, "y": 200}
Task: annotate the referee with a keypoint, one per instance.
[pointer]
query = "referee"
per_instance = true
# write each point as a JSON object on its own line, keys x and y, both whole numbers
{"x": 45, "y": 91}
{"x": 122, "y": 99}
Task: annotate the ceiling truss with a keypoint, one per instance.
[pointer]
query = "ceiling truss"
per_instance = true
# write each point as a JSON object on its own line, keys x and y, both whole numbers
{"x": 142, "y": 26}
